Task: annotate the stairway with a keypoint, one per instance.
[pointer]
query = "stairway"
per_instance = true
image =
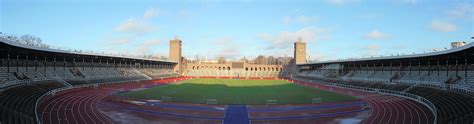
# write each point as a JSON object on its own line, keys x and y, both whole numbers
{"x": 140, "y": 73}
{"x": 470, "y": 77}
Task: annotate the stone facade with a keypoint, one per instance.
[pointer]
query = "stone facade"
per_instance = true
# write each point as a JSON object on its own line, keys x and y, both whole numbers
{"x": 300, "y": 52}
{"x": 175, "y": 54}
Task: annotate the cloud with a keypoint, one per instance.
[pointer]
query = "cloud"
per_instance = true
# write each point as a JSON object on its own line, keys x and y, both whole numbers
{"x": 372, "y": 50}
{"x": 229, "y": 52}
{"x": 224, "y": 41}
{"x": 151, "y": 42}
{"x": 152, "y": 12}
{"x": 142, "y": 50}
{"x": 145, "y": 48}
{"x": 376, "y": 35}
{"x": 285, "y": 39}
{"x": 228, "y": 48}
{"x": 305, "y": 20}
{"x": 134, "y": 26}
{"x": 442, "y": 26}
{"x": 340, "y": 2}
{"x": 463, "y": 11}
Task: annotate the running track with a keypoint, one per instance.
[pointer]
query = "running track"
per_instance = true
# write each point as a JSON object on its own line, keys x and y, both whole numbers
{"x": 81, "y": 105}
{"x": 384, "y": 108}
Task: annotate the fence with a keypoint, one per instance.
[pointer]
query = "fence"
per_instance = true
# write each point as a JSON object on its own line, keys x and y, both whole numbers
{"x": 416, "y": 98}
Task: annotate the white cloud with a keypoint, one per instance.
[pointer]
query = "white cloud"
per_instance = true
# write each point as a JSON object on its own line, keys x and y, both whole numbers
{"x": 305, "y": 20}
{"x": 340, "y": 2}
{"x": 229, "y": 52}
{"x": 285, "y": 39}
{"x": 225, "y": 41}
{"x": 135, "y": 26}
{"x": 442, "y": 26}
{"x": 142, "y": 50}
{"x": 376, "y": 35}
{"x": 151, "y": 42}
{"x": 145, "y": 47}
{"x": 152, "y": 12}
{"x": 463, "y": 11}
{"x": 228, "y": 48}
{"x": 372, "y": 50}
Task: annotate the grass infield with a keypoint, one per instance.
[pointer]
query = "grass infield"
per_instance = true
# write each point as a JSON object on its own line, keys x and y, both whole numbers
{"x": 237, "y": 91}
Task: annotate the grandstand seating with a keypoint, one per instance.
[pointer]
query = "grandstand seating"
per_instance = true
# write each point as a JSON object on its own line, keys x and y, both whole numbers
{"x": 18, "y": 103}
{"x": 80, "y": 75}
{"x": 470, "y": 77}
{"x": 22, "y": 86}
{"x": 4, "y": 76}
{"x": 452, "y": 107}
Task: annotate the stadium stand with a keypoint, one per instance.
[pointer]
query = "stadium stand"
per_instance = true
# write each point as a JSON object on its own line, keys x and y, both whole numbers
{"x": 18, "y": 104}
{"x": 28, "y": 72}
{"x": 445, "y": 78}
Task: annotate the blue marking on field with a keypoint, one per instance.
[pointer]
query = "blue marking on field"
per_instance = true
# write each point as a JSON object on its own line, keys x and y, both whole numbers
{"x": 162, "y": 113}
{"x": 309, "y": 116}
{"x": 185, "y": 107}
{"x": 236, "y": 114}
{"x": 276, "y": 109}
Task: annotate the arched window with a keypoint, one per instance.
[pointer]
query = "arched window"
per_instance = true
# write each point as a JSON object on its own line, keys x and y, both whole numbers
{"x": 246, "y": 69}
{"x": 228, "y": 68}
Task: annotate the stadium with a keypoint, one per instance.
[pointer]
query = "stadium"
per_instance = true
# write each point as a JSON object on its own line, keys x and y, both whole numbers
{"x": 41, "y": 84}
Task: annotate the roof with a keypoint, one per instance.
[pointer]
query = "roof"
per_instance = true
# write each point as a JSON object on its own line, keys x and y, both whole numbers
{"x": 16, "y": 44}
{"x": 448, "y": 51}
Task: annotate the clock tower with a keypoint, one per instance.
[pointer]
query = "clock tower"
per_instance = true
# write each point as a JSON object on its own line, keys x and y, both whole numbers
{"x": 175, "y": 54}
{"x": 300, "y": 51}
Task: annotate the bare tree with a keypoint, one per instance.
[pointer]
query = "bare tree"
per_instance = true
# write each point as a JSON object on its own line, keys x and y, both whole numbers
{"x": 27, "y": 39}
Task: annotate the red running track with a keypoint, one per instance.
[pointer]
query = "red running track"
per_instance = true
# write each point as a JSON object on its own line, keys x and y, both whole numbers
{"x": 81, "y": 105}
{"x": 385, "y": 109}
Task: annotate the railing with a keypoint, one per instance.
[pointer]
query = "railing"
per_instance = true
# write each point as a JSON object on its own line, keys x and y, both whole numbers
{"x": 68, "y": 88}
{"x": 432, "y": 84}
{"x": 439, "y": 85}
{"x": 14, "y": 83}
{"x": 414, "y": 97}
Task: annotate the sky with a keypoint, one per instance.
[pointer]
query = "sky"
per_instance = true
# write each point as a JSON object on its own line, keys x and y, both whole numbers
{"x": 332, "y": 29}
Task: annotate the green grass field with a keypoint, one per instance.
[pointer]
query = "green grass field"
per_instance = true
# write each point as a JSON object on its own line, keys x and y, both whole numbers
{"x": 237, "y": 91}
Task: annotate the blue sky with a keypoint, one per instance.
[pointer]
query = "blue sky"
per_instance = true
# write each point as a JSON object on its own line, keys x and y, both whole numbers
{"x": 333, "y": 29}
